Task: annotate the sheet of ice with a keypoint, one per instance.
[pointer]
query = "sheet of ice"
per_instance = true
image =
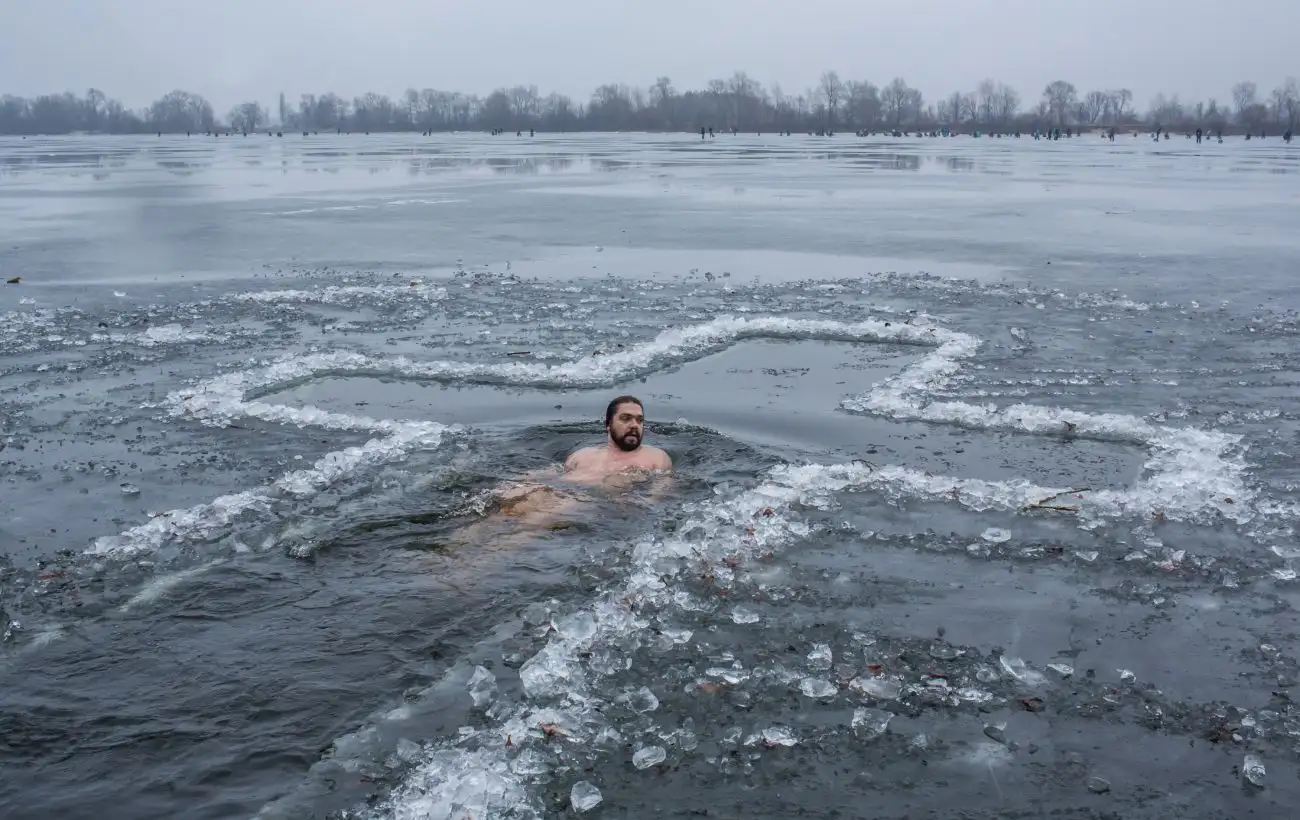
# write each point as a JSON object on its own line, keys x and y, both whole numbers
{"x": 1190, "y": 473}
{"x": 161, "y": 335}
{"x": 361, "y": 206}
{"x": 346, "y": 294}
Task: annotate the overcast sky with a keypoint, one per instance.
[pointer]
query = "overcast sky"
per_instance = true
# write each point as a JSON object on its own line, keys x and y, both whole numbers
{"x": 236, "y": 50}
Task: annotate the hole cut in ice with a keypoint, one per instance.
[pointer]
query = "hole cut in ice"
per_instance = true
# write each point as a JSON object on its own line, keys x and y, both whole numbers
{"x": 1190, "y": 473}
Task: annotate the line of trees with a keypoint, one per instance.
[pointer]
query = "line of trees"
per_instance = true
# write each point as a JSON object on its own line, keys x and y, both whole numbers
{"x": 737, "y": 103}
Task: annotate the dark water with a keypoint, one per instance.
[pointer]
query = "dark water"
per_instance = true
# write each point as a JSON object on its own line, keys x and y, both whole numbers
{"x": 251, "y": 390}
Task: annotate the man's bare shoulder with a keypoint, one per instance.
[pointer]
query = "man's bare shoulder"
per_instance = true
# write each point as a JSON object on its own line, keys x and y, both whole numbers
{"x": 657, "y": 459}
{"x": 580, "y": 457}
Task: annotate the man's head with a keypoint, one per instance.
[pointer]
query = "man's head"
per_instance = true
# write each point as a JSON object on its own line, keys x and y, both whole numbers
{"x": 625, "y": 422}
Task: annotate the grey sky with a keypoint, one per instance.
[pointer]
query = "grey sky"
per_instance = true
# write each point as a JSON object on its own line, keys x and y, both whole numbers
{"x": 236, "y": 50}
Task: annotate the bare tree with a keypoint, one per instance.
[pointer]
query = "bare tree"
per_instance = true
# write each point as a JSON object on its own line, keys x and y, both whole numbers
{"x": 986, "y": 102}
{"x": 1215, "y": 117}
{"x": 661, "y": 93}
{"x": 1094, "y": 106}
{"x": 1244, "y": 95}
{"x": 914, "y": 110}
{"x": 736, "y": 102}
{"x": 1006, "y": 104}
{"x": 524, "y": 101}
{"x": 901, "y": 103}
{"x": 958, "y": 109}
{"x": 948, "y": 110}
{"x": 1253, "y": 116}
{"x": 180, "y": 111}
{"x": 1286, "y": 103}
{"x": 1118, "y": 102}
{"x": 832, "y": 91}
{"x": 247, "y": 117}
{"x": 1062, "y": 99}
{"x": 862, "y": 106}
{"x": 1166, "y": 111}
{"x": 747, "y": 101}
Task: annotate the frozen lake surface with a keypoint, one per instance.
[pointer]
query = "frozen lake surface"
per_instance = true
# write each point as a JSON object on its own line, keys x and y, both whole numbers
{"x": 986, "y": 495}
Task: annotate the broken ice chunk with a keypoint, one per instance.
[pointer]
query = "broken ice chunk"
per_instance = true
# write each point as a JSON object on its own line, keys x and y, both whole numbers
{"x": 649, "y": 756}
{"x": 869, "y": 724}
{"x": 584, "y": 796}
{"x": 742, "y": 614}
{"x": 944, "y": 651}
{"x": 820, "y": 657}
{"x": 482, "y": 686}
{"x": 1019, "y": 670}
{"x": 578, "y": 627}
{"x": 878, "y": 688}
{"x": 1252, "y": 770}
{"x": 779, "y": 736}
{"x": 641, "y": 700}
{"x": 817, "y": 688}
{"x": 996, "y": 535}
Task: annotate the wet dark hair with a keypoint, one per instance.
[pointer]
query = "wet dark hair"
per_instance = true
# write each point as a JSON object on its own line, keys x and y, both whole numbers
{"x": 612, "y": 408}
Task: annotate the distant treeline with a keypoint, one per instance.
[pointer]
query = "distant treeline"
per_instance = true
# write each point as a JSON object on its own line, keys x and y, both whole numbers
{"x": 739, "y": 103}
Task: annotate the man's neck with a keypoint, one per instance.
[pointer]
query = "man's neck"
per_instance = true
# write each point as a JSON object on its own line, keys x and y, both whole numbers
{"x": 618, "y": 452}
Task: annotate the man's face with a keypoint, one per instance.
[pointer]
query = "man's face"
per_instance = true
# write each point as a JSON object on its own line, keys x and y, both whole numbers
{"x": 627, "y": 426}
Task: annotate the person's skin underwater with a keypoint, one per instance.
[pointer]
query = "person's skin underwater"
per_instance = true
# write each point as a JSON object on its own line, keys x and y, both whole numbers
{"x": 620, "y": 463}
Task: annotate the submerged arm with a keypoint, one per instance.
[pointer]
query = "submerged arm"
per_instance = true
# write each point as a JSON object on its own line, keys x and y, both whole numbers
{"x": 662, "y": 483}
{"x": 542, "y": 473}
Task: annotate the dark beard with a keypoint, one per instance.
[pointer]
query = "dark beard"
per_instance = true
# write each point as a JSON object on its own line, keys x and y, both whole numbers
{"x": 625, "y": 445}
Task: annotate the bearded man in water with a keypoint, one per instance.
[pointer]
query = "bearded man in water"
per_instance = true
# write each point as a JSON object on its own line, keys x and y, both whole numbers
{"x": 622, "y": 450}
{"x": 619, "y": 462}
